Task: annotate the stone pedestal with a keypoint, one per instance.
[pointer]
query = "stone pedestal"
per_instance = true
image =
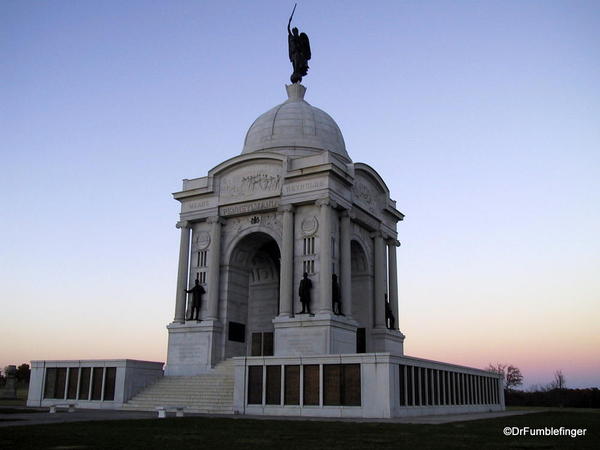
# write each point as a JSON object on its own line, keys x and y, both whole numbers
{"x": 193, "y": 347}
{"x": 389, "y": 341}
{"x": 320, "y": 334}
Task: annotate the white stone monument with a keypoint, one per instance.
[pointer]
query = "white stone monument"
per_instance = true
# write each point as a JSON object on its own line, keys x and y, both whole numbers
{"x": 292, "y": 203}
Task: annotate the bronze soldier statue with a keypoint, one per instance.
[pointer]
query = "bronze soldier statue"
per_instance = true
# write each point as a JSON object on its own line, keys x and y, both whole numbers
{"x": 197, "y": 291}
{"x": 336, "y": 302}
{"x": 304, "y": 292}
{"x": 299, "y": 51}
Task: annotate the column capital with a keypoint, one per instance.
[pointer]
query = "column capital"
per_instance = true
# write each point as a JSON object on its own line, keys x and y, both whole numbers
{"x": 348, "y": 213}
{"x": 393, "y": 242}
{"x": 286, "y": 208}
{"x": 326, "y": 202}
{"x": 183, "y": 224}
{"x": 215, "y": 219}
{"x": 376, "y": 234}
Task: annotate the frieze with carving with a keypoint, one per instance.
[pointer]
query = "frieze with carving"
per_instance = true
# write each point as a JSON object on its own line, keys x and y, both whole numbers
{"x": 249, "y": 183}
{"x": 238, "y": 225}
{"x": 366, "y": 196}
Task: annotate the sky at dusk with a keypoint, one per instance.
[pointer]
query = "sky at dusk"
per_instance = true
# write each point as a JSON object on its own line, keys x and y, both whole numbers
{"x": 483, "y": 117}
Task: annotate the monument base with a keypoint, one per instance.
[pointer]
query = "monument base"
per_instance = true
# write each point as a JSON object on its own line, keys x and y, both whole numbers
{"x": 318, "y": 334}
{"x": 193, "y": 347}
{"x": 389, "y": 341}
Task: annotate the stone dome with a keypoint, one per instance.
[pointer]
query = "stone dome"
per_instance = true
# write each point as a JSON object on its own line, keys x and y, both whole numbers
{"x": 295, "y": 124}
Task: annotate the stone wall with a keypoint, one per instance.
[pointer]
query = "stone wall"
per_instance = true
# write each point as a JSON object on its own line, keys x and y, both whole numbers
{"x": 362, "y": 385}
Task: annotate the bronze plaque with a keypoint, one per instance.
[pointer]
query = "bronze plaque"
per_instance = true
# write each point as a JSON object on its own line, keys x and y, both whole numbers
{"x": 445, "y": 379}
{"x": 361, "y": 340}
{"x": 292, "y": 385}
{"x": 84, "y": 383}
{"x": 351, "y": 384}
{"x": 422, "y": 380}
{"x": 256, "y": 344}
{"x": 268, "y": 344}
{"x": 237, "y": 332}
{"x": 110, "y": 377}
{"x": 410, "y": 387}
{"x": 332, "y": 384}
{"x": 402, "y": 384}
{"x": 311, "y": 384}
{"x": 97, "y": 383}
{"x": 72, "y": 384}
{"x": 273, "y": 385}
{"x": 50, "y": 385}
{"x": 61, "y": 381}
{"x": 255, "y": 384}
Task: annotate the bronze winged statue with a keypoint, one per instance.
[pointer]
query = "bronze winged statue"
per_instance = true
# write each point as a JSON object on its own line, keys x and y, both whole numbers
{"x": 299, "y": 49}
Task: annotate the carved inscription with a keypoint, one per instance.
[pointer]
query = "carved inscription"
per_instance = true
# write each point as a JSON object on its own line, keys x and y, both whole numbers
{"x": 303, "y": 186}
{"x": 195, "y": 205}
{"x": 249, "y": 207}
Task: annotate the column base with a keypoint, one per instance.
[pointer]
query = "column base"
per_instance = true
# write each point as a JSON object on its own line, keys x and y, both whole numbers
{"x": 385, "y": 340}
{"x": 193, "y": 347}
{"x": 318, "y": 334}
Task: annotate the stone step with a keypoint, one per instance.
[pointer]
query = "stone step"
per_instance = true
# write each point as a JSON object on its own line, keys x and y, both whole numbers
{"x": 194, "y": 380}
{"x": 190, "y": 391}
{"x": 207, "y": 393}
{"x": 151, "y": 406}
{"x": 203, "y": 383}
{"x": 227, "y": 410}
{"x": 165, "y": 398}
{"x": 228, "y": 394}
{"x": 186, "y": 390}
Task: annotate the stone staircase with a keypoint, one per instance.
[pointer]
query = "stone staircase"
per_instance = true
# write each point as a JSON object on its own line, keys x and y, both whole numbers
{"x": 210, "y": 393}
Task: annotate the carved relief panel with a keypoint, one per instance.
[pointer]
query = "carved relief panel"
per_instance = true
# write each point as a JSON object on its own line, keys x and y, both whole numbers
{"x": 367, "y": 195}
{"x": 250, "y": 182}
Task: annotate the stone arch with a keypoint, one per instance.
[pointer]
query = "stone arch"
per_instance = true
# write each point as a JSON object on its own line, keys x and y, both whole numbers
{"x": 362, "y": 283}
{"x": 251, "y": 229}
{"x": 251, "y": 301}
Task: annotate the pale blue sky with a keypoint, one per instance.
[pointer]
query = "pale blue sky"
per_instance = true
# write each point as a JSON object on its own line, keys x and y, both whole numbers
{"x": 482, "y": 117}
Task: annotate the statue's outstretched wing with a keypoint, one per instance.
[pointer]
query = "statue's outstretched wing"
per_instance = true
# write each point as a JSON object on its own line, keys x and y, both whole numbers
{"x": 305, "y": 45}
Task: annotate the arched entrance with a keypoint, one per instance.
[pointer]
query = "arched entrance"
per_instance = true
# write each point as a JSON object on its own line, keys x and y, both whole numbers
{"x": 252, "y": 296}
{"x": 362, "y": 304}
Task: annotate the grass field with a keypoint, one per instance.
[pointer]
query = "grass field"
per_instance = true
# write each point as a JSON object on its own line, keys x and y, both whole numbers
{"x": 211, "y": 433}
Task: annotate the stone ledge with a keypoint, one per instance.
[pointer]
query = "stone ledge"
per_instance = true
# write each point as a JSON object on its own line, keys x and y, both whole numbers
{"x": 193, "y": 326}
{"x": 317, "y": 320}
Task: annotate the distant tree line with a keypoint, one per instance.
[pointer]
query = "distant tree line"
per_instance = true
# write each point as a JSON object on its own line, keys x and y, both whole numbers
{"x": 555, "y": 393}
{"x": 569, "y": 398}
{"x": 23, "y": 374}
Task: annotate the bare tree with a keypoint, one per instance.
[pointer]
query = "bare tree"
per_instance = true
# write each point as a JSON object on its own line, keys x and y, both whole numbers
{"x": 512, "y": 375}
{"x": 559, "y": 381}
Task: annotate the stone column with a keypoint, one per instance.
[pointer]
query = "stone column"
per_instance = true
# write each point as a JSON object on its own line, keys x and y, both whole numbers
{"x": 182, "y": 272}
{"x": 325, "y": 256}
{"x": 345, "y": 264}
{"x": 380, "y": 268}
{"x": 214, "y": 268}
{"x": 393, "y": 279}
{"x": 286, "y": 283}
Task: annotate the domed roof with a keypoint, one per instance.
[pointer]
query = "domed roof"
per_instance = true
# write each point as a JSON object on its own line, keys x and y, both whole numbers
{"x": 295, "y": 123}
